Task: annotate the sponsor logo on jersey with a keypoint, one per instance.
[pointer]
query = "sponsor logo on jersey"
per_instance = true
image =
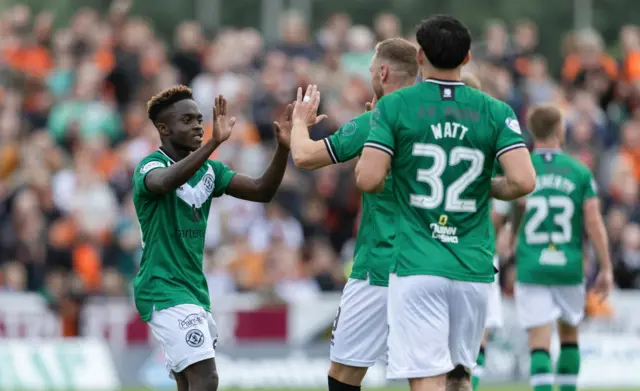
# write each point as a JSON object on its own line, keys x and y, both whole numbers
{"x": 191, "y": 321}
{"x": 194, "y": 338}
{"x": 513, "y": 124}
{"x": 348, "y": 129}
{"x": 150, "y": 166}
{"x": 442, "y": 232}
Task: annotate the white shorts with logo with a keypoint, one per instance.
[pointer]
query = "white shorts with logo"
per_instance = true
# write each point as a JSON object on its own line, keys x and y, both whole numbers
{"x": 435, "y": 324}
{"x": 359, "y": 336}
{"x": 494, "y": 306}
{"x": 538, "y": 305}
{"x": 187, "y": 334}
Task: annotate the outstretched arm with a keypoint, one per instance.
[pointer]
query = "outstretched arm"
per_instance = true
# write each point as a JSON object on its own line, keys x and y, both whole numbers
{"x": 165, "y": 180}
{"x": 263, "y": 188}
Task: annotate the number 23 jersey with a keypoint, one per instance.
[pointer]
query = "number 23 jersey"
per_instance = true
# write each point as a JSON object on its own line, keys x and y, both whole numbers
{"x": 549, "y": 250}
{"x": 444, "y": 138}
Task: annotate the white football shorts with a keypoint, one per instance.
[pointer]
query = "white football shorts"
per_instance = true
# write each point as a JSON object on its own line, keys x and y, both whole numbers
{"x": 187, "y": 334}
{"x": 435, "y": 324}
{"x": 360, "y": 329}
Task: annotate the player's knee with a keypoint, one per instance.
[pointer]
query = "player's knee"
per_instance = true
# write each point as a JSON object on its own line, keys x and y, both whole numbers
{"x": 210, "y": 382}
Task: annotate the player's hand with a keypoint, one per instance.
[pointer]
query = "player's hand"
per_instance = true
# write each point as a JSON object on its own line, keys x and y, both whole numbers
{"x": 283, "y": 127}
{"x": 221, "y": 124}
{"x": 604, "y": 284}
{"x": 306, "y": 108}
{"x": 370, "y": 105}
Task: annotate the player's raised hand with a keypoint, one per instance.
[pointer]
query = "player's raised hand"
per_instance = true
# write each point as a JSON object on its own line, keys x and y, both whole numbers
{"x": 283, "y": 127}
{"x": 222, "y": 125}
{"x": 306, "y": 108}
{"x": 370, "y": 105}
{"x": 604, "y": 284}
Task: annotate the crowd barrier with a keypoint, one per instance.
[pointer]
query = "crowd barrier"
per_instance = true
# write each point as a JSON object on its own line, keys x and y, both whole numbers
{"x": 262, "y": 345}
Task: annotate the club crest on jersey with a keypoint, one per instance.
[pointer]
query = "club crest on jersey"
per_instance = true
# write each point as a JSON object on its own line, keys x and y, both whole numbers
{"x": 208, "y": 182}
{"x": 348, "y": 129}
{"x": 513, "y": 124}
{"x": 150, "y": 166}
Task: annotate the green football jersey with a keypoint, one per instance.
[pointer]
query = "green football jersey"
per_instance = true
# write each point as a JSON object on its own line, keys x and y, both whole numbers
{"x": 443, "y": 138}
{"x": 373, "y": 252}
{"x": 549, "y": 250}
{"x": 173, "y": 228}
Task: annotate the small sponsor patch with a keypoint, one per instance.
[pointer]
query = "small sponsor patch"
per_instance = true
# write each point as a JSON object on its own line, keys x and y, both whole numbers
{"x": 194, "y": 338}
{"x": 513, "y": 124}
{"x": 191, "y": 321}
{"x": 150, "y": 166}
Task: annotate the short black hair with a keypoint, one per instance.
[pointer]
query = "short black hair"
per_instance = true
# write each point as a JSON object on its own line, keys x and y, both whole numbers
{"x": 166, "y": 98}
{"x": 444, "y": 40}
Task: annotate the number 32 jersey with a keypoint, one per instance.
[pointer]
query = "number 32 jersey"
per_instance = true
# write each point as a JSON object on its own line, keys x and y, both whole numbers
{"x": 549, "y": 250}
{"x": 444, "y": 138}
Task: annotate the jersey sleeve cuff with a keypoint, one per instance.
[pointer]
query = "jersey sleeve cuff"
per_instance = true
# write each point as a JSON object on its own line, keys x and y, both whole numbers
{"x": 330, "y": 150}
{"x": 511, "y": 147}
{"x": 381, "y": 147}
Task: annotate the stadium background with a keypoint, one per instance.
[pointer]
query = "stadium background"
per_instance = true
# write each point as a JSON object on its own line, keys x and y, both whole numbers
{"x": 74, "y": 79}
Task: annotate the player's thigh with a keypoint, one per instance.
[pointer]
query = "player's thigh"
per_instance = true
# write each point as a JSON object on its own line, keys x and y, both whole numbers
{"x": 494, "y": 306}
{"x": 202, "y": 375}
{"x": 468, "y": 303}
{"x": 418, "y": 316}
{"x": 535, "y": 306}
{"x": 570, "y": 299}
{"x": 185, "y": 334}
{"x": 359, "y": 336}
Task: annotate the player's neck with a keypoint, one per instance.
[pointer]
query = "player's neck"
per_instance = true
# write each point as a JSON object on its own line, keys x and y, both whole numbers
{"x": 546, "y": 145}
{"x": 174, "y": 153}
{"x": 442, "y": 74}
{"x": 390, "y": 87}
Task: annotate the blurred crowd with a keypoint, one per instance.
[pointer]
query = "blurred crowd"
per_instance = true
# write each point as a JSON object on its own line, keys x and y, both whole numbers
{"x": 73, "y": 127}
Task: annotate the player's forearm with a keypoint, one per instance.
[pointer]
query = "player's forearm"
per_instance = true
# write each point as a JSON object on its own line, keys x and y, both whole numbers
{"x": 303, "y": 148}
{"x": 597, "y": 234}
{"x": 505, "y": 189}
{"x": 267, "y": 184}
{"x": 162, "y": 181}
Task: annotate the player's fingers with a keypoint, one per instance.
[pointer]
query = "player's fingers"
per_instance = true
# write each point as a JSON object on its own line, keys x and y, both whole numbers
{"x": 224, "y": 104}
{"x": 276, "y": 126}
{"x": 299, "y": 96}
{"x": 367, "y": 106}
{"x": 307, "y": 94}
{"x": 232, "y": 121}
{"x": 321, "y": 118}
{"x": 288, "y": 112}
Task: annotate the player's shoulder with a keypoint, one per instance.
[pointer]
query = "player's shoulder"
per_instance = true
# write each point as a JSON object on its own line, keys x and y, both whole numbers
{"x": 404, "y": 93}
{"x": 567, "y": 160}
{"x": 155, "y": 159}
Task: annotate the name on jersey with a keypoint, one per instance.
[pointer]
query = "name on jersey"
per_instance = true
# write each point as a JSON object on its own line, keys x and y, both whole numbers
{"x": 552, "y": 181}
{"x": 449, "y": 130}
{"x": 444, "y": 233}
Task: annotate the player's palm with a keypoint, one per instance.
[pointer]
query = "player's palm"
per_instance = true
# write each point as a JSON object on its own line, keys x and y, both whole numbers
{"x": 283, "y": 127}
{"x": 306, "y": 108}
{"x": 604, "y": 284}
{"x": 222, "y": 125}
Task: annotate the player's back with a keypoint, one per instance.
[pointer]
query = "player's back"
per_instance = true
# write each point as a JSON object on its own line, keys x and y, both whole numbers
{"x": 549, "y": 250}
{"x": 446, "y": 138}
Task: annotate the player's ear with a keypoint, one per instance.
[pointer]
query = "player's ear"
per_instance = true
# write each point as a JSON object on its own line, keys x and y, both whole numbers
{"x": 384, "y": 72}
{"x": 420, "y": 56}
{"x": 467, "y": 58}
{"x": 163, "y": 129}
